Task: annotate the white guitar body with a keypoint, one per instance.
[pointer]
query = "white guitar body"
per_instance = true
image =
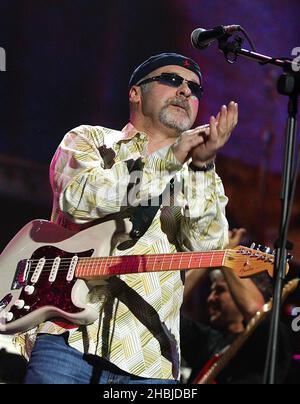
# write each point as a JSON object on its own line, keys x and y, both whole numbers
{"x": 31, "y": 237}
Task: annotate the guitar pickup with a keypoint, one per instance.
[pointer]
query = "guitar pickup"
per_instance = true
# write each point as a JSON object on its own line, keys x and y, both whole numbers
{"x": 20, "y": 278}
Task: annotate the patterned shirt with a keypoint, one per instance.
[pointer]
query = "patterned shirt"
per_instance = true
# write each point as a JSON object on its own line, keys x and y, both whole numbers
{"x": 138, "y": 324}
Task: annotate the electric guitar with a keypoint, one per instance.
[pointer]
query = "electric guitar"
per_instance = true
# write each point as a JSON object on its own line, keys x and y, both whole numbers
{"x": 45, "y": 271}
{"x": 219, "y": 361}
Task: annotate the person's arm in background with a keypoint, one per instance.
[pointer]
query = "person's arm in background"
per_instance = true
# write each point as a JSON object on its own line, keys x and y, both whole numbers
{"x": 244, "y": 292}
{"x": 194, "y": 278}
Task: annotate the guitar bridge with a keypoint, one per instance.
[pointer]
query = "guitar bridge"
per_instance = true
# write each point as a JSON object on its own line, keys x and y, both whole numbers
{"x": 20, "y": 278}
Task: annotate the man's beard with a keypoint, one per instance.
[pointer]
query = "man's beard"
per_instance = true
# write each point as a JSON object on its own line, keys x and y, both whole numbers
{"x": 169, "y": 119}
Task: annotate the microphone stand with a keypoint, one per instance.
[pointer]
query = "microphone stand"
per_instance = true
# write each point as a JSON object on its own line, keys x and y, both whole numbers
{"x": 289, "y": 85}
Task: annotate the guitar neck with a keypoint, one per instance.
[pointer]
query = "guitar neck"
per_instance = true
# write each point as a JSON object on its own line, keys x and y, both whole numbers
{"x": 90, "y": 268}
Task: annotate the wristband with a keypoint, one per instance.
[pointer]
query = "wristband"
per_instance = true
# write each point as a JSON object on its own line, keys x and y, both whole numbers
{"x": 205, "y": 168}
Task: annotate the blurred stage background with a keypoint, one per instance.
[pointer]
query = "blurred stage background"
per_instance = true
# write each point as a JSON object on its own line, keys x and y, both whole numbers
{"x": 68, "y": 63}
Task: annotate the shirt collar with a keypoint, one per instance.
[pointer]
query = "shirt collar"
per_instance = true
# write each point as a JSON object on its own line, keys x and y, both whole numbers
{"x": 129, "y": 132}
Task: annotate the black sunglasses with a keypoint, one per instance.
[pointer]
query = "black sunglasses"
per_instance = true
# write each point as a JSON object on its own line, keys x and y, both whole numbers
{"x": 174, "y": 80}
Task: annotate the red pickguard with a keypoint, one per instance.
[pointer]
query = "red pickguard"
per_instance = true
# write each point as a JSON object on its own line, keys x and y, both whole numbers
{"x": 58, "y": 293}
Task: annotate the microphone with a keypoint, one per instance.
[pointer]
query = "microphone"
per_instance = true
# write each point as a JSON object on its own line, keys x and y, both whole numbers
{"x": 201, "y": 38}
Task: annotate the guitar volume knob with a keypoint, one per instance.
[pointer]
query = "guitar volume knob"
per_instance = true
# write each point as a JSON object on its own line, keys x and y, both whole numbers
{"x": 9, "y": 316}
{"x": 29, "y": 289}
{"x": 19, "y": 304}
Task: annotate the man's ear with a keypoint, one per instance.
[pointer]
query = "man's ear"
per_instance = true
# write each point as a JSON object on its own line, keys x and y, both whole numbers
{"x": 135, "y": 94}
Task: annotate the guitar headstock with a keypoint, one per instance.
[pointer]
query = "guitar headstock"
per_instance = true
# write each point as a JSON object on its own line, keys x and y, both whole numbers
{"x": 246, "y": 262}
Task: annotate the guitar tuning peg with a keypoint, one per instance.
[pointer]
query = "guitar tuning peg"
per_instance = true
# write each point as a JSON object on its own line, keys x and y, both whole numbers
{"x": 267, "y": 250}
{"x": 258, "y": 247}
{"x": 253, "y": 246}
{"x": 290, "y": 257}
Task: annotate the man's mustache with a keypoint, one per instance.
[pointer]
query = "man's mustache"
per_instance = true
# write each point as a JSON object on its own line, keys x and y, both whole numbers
{"x": 180, "y": 103}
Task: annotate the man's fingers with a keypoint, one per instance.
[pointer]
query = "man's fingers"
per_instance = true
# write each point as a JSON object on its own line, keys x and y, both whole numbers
{"x": 236, "y": 115}
{"x": 228, "y": 117}
{"x": 223, "y": 119}
{"x": 192, "y": 138}
{"x": 197, "y": 134}
{"x": 232, "y": 115}
{"x": 197, "y": 140}
{"x": 198, "y": 130}
{"x": 214, "y": 126}
{"x": 235, "y": 237}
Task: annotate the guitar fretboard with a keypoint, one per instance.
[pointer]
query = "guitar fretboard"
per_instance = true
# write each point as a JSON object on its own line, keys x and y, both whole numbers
{"x": 88, "y": 268}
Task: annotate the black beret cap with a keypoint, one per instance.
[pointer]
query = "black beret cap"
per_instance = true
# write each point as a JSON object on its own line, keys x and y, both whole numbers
{"x": 163, "y": 59}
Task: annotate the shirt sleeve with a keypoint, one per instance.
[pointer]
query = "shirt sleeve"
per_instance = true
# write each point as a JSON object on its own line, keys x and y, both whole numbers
{"x": 85, "y": 189}
{"x": 203, "y": 223}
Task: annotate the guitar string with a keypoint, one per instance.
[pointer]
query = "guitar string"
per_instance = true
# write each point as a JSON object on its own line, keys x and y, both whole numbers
{"x": 126, "y": 265}
{"x": 120, "y": 259}
{"x": 172, "y": 256}
{"x": 149, "y": 258}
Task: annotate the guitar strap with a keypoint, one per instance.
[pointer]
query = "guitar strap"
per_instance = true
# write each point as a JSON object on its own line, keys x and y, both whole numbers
{"x": 143, "y": 214}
